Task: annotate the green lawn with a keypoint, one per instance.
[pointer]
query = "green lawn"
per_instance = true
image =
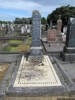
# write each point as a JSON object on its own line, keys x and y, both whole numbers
{"x": 29, "y": 40}
{"x": 15, "y": 41}
{"x": 21, "y": 46}
{"x": 18, "y": 48}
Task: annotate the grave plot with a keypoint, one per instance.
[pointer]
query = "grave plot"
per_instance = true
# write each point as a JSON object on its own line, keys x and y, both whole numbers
{"x": 17, "y": 46}
{"x": 3, "y": 44}
{"x": 2, "y": 32}
{"x": 36, "y": 75}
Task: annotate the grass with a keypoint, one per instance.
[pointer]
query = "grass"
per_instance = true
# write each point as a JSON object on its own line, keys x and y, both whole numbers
{"x": 10, "y": 48}
{"x": 19, "y": 48}
{"x": 24, "y": 47}
{"x": 15, "y": 41}
{"x": 29, "y": 40}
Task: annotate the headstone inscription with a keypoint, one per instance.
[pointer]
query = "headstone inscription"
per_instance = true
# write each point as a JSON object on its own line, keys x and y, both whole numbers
{"x": 69, "y": 50}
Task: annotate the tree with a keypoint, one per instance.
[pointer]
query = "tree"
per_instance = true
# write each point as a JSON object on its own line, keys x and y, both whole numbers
{"x": 5, "y": 22}
{"x": 43, "y": 20}
{"x": 18, "y": 21}
{"x": 22, "y": 20}
{"x": 28, "y": 20}
{"x": 64, "y": 11}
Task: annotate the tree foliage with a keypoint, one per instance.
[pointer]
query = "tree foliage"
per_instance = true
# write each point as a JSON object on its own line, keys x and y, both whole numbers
{"x": 23, "y": 21}
{"x": 5, "y": 22}
{"x": 64, "y": 11}
{"x": 28, "y": 20}
{"x": 43, "y": 20}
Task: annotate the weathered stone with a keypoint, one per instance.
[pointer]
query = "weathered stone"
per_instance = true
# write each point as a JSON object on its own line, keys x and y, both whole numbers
{"x": 36, "y": 28}
{"x": 36, "y": 48}
{"x": 52, "y": 35}
{"x": 59, "y": 25}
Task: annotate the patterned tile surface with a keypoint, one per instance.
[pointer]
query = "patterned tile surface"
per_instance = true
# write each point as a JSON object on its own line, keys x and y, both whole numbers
{"x": 36, "y": 75}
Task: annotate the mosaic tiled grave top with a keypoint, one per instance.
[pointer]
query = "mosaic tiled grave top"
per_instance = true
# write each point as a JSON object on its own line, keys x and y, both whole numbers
{"x": 36, "y": 75}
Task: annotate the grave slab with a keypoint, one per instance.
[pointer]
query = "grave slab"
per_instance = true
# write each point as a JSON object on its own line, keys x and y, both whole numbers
{"x": 30, "y": 75}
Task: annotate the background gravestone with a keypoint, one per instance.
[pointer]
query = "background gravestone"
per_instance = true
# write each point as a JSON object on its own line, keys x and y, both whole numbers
{"x": 69, "y": 50}
{"x": 71, "y": 33}
{"x": 51, "y": 35}
{"x": 59, "y": 25}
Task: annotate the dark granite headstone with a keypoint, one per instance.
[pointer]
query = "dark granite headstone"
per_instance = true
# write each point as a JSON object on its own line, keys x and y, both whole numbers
{"x": 36, "y": 28}
{"x": 70, "y": 38}
{"x": 36, "y": 48}
{"x": 69, "y": 50}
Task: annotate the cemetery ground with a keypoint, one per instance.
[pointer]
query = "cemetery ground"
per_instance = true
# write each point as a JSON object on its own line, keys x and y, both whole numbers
{"x": 12, "y": 71}
{"x": 9, "y": 64}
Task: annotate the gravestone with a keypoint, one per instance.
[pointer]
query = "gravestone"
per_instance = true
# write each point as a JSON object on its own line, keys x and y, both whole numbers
{"x": 22, "y": 30}
{"x": 36, "y": 28}
{"x": 65, "y": 29}
{"x": 51, "y": 25}
{"x": 59, "y": 25}
{"x": 71, "y": 34}
{"x": 29, "y": 28}
{"x": 51, "y": 35}
{"x": 69, "y": 50}
{"x": 36, "y": 49}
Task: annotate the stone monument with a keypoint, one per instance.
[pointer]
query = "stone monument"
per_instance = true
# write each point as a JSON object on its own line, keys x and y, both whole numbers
{"x": 52, "y": 35}
{"x": 69, "y": 50}
{"x": 51, "y": 25}
{"x": 36, "y": 49}
{"x": 35, "y": 76}
{"x": 59, "y": 25}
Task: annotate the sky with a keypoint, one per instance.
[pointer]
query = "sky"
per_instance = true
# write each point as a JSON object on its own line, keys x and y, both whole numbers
{"x": 10, "y": 9}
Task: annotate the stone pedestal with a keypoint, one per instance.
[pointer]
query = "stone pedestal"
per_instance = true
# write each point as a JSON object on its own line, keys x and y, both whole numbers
{"x": 36, "y": 50}
{"x": 36, "y": 54}
{"x": 69, "y": 57}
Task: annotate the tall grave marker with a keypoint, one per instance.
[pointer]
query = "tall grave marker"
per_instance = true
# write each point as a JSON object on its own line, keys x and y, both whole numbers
{"x": 36, "y": 49}
{"x": 69, "y": 50}
{"x": 59, "y": 25}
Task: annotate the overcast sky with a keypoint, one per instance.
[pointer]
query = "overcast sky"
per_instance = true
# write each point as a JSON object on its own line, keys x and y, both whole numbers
{"x": 9, "y": 9}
